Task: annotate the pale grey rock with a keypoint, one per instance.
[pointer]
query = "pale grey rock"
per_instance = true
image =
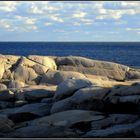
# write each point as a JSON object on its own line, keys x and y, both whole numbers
{"x": 68, "y": 87}
{"x": 89, "y": 98}
{"x": 68, "y": 118}
{"x": 40, "y": 69}
{"x": 94, "y": 67}
{"x": 56, "y": 77}
{"x": 26, "y": 75}
{"x": 38, "y": 94}
{"x": 43, "y": 60}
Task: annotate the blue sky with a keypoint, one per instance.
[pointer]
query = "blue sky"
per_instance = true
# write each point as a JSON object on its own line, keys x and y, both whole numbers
{"x": 70, "y": 21}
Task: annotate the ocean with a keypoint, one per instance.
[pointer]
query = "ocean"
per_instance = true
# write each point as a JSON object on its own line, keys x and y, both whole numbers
{"x": 123, "y": 52}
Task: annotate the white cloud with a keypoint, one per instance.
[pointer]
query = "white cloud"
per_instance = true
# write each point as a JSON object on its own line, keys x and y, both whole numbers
{"x": 26, "y": 20}
{"x": 56, "y": 18}
{"x": 79, "y": 14}
{"x": 8, "y": 6}
{"x": 48, "y": 24}
{"x": 43, "y": 7}
{"x": 5, "y": 24}
{"x": 133, "y": 29}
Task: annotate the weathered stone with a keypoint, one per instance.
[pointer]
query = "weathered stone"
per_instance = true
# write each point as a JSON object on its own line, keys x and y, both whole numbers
{"x": 95, "y": 67}
{"x": 43, "y": 60}
{"x": 40, "y": 69}
{"x": 68, "y": 118}
{"x": 114, "y": 119}
{"x": 24, "y": 74}
{"x": 117, "y": 131}
{"x": 56, "y": 77}
{"x": 68, "y": 87}
{"x": 89, "y": 98}
{"x": 30, "y": 111}
{"x": 43, "y": 131}
{"x": 37, "y": 94}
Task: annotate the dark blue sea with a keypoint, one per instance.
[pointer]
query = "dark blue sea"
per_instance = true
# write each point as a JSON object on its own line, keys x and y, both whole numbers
{"x": 124, "y": 53}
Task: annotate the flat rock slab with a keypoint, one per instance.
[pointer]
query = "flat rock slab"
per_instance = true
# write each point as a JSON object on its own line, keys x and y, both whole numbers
{"x": 43, "y": 131}
{"x": 27, "y": 112}
{"x": 68, "y": 118}
{"x": 36, "y": 94}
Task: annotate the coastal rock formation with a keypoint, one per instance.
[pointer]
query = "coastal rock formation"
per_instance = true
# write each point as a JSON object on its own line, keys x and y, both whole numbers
{"x": 94, "y": 67}
{"x": 46, "y": 96}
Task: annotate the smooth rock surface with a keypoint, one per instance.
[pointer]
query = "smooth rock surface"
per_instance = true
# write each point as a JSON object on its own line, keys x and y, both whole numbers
{"x": 56, "y": 77}
{"x": 68, "y": 87}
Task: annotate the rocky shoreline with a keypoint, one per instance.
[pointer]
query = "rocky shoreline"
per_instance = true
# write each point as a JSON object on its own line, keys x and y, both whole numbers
{"x": 50, "y": 96}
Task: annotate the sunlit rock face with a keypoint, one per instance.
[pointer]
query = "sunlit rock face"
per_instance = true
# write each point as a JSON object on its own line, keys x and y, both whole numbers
{"x": 72, "y": 97}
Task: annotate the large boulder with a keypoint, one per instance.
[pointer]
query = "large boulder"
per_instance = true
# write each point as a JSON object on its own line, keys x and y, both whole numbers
{"x": 117, "y": 131}
{"x": 27, "y": 112}
{"x": 114, "y": 119}
{"x": 43, "y": 131}
{"x": 89, "y": 98}
{"x": 38, "y": 68}
{"x": 68, "y": 118}
{"x": 88, "y": 66}
{"x": 68, "y": 87}
{"x": 56, "y": 77}
{"x": 124, "y": 94}
{"x": 24, "y": 74}
{"x": 38, "y": 94}
{"x": 43, "y": 60}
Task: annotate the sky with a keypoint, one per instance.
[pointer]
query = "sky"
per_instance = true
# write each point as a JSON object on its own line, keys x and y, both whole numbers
{"x": 70, "y": 21}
